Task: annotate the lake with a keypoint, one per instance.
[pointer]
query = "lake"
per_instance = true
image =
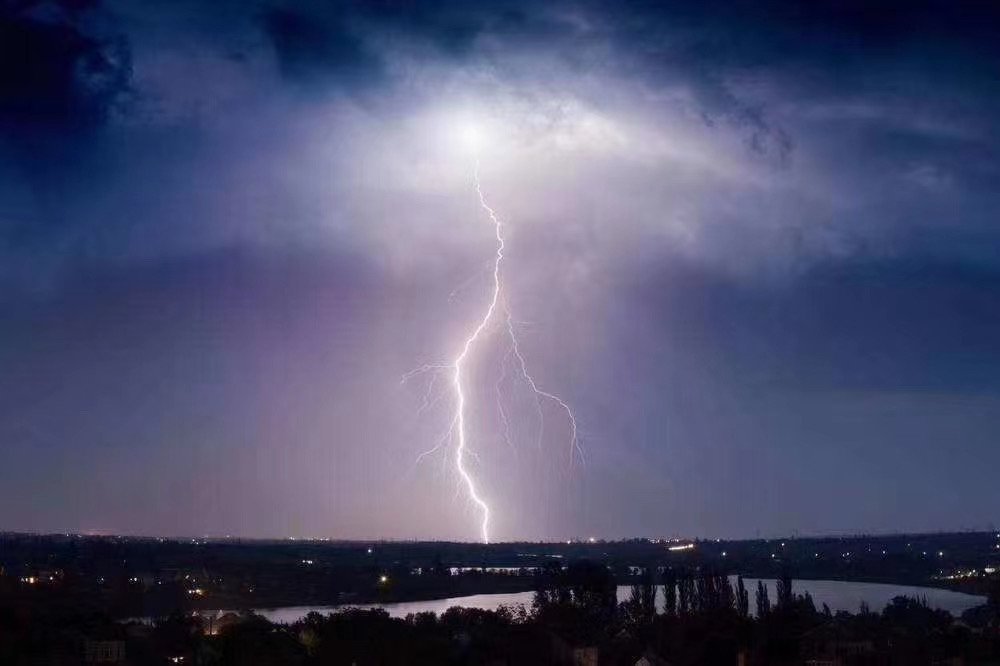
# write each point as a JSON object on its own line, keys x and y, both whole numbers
{"x": 838, "y": 595}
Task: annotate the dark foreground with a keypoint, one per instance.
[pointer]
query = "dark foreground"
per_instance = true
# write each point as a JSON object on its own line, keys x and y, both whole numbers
{"x": 574, "y": 619}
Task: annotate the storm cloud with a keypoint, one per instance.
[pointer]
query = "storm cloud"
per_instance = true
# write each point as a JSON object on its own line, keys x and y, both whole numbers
{"x": 753, "y": 244}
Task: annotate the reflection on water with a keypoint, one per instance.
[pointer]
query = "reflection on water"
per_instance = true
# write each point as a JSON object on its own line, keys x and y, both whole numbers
{"x": 838, "y": 595}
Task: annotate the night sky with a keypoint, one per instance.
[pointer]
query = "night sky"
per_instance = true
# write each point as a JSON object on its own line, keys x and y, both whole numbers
{"x": 755, "y": 246}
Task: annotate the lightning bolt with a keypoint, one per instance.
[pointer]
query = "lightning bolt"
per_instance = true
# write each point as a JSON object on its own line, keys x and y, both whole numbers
{"x": 457, "y": 431}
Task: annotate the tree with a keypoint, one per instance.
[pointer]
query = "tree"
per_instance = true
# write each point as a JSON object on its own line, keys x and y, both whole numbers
{"x": 550, "y": 586}
{"x": 670, "y": 593}
{"x": 742, "y": 599}
{"x": 702, "y": 600}
{"x": 783, "y": 590}
{"x": 685, "y": 590}
{"x": 592, "y": 587}
{"x": 726, "y": 596}
{"x": 763, "y": 601}
{"x": 583, "y": 596}
{"x": 642, "y": 600}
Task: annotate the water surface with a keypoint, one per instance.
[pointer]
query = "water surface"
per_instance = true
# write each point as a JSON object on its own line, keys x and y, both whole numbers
{"x": 838, "y": 595}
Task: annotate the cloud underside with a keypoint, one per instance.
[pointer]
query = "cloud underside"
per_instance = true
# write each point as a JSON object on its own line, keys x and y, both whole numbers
{"x": 744, "y": 136}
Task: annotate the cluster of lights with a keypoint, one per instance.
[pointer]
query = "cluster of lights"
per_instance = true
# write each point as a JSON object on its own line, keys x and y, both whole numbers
{"x": 687, "y": 546}
{"x": 969, "y": 573}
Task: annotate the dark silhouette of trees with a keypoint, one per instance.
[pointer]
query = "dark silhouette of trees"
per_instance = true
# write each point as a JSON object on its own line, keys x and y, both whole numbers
{"x": 763, "y": 601}
{"x": 685, "y": 595}
{"x": 713, "y": 592}
{"x": 593, "y": 589}
{"x": 714, "y": 629}
{"x": 915, "y": 614}
{"x": 669, "y": 593}
{"x": 257, "y": 642}
{"x": 550, "y": 586}
{"x": 579, "y": 602}
{"x": 742, "y": 598}
{"x": 783, "y": 590}
{"x": 641, "y": 604}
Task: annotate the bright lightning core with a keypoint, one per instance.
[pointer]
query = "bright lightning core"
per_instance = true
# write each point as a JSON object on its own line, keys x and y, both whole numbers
{"x": 472, "y": 137}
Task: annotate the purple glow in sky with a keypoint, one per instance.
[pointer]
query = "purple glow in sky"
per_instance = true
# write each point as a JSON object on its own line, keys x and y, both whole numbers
{"x": 754, "y": 249}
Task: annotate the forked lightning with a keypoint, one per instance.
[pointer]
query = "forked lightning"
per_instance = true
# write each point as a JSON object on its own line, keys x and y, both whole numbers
{"x": 458, "y": 431}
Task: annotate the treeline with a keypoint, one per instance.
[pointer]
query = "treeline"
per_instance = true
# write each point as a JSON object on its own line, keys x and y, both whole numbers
{"x": 682, "y": 617}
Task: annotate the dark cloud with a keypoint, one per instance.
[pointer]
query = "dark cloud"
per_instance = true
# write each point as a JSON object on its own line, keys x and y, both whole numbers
{"x": 65, "y": 74}
{"x": 314, "y": 46}
{"x": 57, "y": 71}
